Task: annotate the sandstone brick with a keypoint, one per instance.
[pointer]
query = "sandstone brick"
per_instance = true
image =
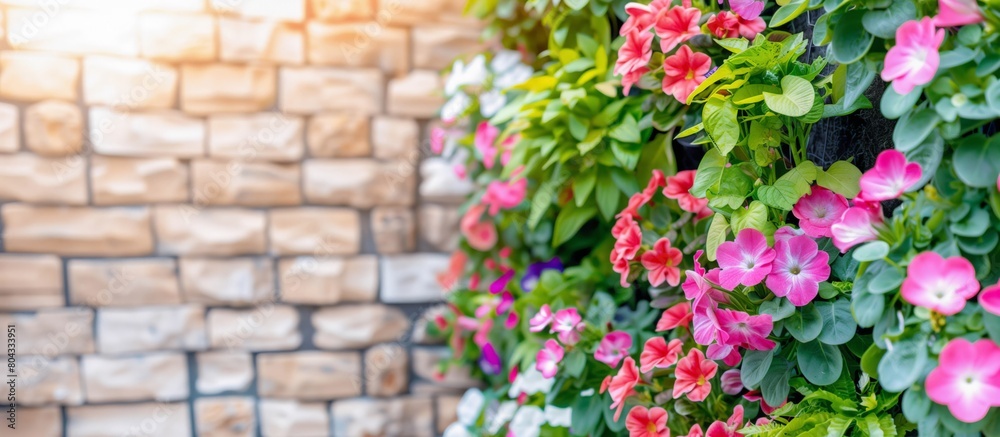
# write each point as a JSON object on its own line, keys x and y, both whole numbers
{"x": 286, "y": 10}
{"x": 386, "y": 370}
{"x": 415, "y": 12}
{"x": 410, "y": 416}
{"x": 217, "y": 182}
{"x": 439, "y": 183}
{"x": 154, "y": 134}
{"x": 159, "y": 376}
{"x": 396, "y": 138}
{"x": 10, "y": 132}
{"x": 228, "y": 416}
{"x": 359, "y": 183}
{"x": 152, "y": 419}
{"x": 271, "y": 136}
{"x": 50, "y": 333}
{"x": 123, "y": 282}
{"x": 31, "y": 178}
{"x": 412, "y": 278}
{"x": 30, "y": 281}
{"x": 307, "y": 90}
{"x": 19, "y": 73}
{"x": 394, "y": 229}
{"x": 355, "y": 326}
{"x": 221, "y": 371}
{"x": 341, "y": 10}
{"x": 177, "y": 37}
{"x": 264, "y": 328}
{"x": 426, "y": 366}
{"x": 53, "y": 128}
{"x": 328, "y": 280}
{"x": 37, "y": 422}
{"x": 243, "y": 40}
{"x": 129, "y": 83}
{"x": 236, "y": 281}
{"x": 289, "y": 418}
{"x": 447, "y": 408}
{"x": 319, "y": 231}
{"x": 76, "y": 231}
{"x": 416, "y": 95}
{"x": 214, "y": 88}
{"x": 131, "y": 5}
{"x": 123, "y": 330}
{"x": 439, "y": 226}
{"x": 339, "y": 135}
{"x": 422, "y": 328}
{"x": 46, "y": 380}
{"x": 74, "y": 31}
{"x": 124, "y": 181}
{"x": 187, "y": 230}
{"x": 436, "y": 47}
{"x": 309, "y": 375}
{"x": 359, "y": 45}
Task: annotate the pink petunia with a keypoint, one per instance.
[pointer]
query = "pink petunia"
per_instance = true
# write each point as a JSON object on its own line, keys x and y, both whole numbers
{"x": 658, "y": 354}
{"x": 856, "y": 226}
{"x": 641, "y": 17}
{"x": 568, "y": 324}
{"x": 541, "y": 319}
{"x": 505, "y": 195}
{"x": 635, "y": 53}
{"x": 548, "y": 358}
{"x": 647, "y": 422}
{"x": 819, "y": 210}
{"x": 914, "y": 59}
{"x": 676, "y": 25}
{"x": 694, "y": 373}
{"x": 785, "y": 233}
{"x": 744, "y": 330}
{"x": 954, "y": 13}
{"x": 724, "y": 25}
{"x": 631, "y": 78}
{"x": 683, "y": 72}
{"x": 750, "y": 27}
{"x": 677, "y": 315}
{"x": 989, "y": 299}
{"x": 486, "y": 136}
{"x": 480, "y": 234}
{"x": 798, "y": 269}
{"x": 613, "y": 347}
{"x": 662, "y": 263}
{"x": 891, "y": 176}
{"x": 622, "y": 385}
{"x": 705, "y": 325}
{"x": 678, "y": 188}
{"x": 731, "y": 382}
{"x": 748, "y": 9}
{"x": 695, "y": 431}
{"x": 745, "y": 261}
{"x": 728, "y": 428}
{"x": 726, "y": 353}
{"x": 939, "y": 284}
{"x": 967, "y": 379}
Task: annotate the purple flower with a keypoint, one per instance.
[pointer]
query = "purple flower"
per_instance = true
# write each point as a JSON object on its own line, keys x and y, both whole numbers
{"x": 490, "y": 361}
{"x": 534, "y": 273}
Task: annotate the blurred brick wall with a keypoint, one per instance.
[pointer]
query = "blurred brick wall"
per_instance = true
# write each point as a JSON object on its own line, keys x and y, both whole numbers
{"x": 217, "y": 218}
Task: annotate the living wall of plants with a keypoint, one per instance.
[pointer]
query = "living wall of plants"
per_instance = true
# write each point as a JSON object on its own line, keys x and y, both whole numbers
{"x": 653, "y": 248}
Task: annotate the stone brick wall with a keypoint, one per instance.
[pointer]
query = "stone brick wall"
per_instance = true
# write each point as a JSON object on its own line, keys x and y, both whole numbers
{"x": 217, "y": 218}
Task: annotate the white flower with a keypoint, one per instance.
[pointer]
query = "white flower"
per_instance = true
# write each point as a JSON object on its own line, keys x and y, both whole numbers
{"x": 516, "y": 75}
{"x": 470, "y": 406}
{"x": 462, "y": 75}
{"x": 455, "y": 107}
{"x": 530, "y": 381}
{"x": 456, "y": 430}
{"x": 504, "y": 60}
{"x": 557, "y": 416}
{"x": 527, "y": 422}
{"x": 502, "y": 416}
{"x": 490, "y": 102}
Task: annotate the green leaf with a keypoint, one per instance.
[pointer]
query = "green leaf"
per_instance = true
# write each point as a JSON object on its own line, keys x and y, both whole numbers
{"x": 871, "y": 251}
{"x": 627, "y": 131}
{"x": 850, "y": 41}
{"x": 733, "y": 189}
{"x": 570, "y": 219}
{"x": 774, "y": 386}
{"x": 977, "y": 161}
{"x": 820, "y": 363}
{"x": 883, "y": 23}
{"x": 902, "y": 365}
{"x": 916, "y": 404}
{"x": 887, "y": 280}
{"x": 584, "y": 185}
{"x": 779, "y": 308}
{"x": 735, "y": 45}
{"x": 839, "y": 326}
{"x": 574, "y": 363}
{"x": 691, "y": 130}
{"x": 913, "y": 129}
{"x": 805, "y": 323}
{"x": 716, "y": 235}
{"x": 607, "y": 195}
{"x": 858, "y": 78}
{"x": 719, "y": 118}
{"x": 755, "y": 366}
{"x": 709, "y": 174}
{"x": 753, "y": 216}
{"x": 867, "y": 307}
{"x": 973, "y": 225}
{"x": 788, "y": 12}
{"x": 870, "y": 360}
{"x": 842, "y": 178}
{"x": 753, "y": 93}
{"x": 894, "y": 105}
{"x": 787, "y": 190}
{"x": 928, "y": 154}
{"x": 796, "y": 98}
{"x": 839, "y": 110}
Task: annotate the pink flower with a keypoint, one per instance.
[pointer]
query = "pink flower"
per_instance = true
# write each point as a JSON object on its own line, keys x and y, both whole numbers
{"x": 622, "y": 385}
{"x": 677, "y": 315}
{"x": 914, "y": 59}
{"x": 856, "y": 226}
{"x": 629, "y": 239}
{"x": 754, "y": 396}
{"x": 694, "y": 373}
{"x": 989, "y": 299}
{"x": 727, "y": 353}
{"x": 798, "y": 269}
{"x": 480, "y": 234}
{"x": 729, "y": 428}
{"x": 967, "y": 379}
{"x": 746, "y": 331}
{"x": 662, "y": 263}
{"x": 541, "y": 319}
{"x": 512, "y": 319}
{"x": 613, "y": 347}
{"x": 706, "y": 327}
{"x": 632, "y": 78}
{"x": 657, "y": 353}
{"x": 635, "y": 53}
{"x": 785, "y": 233}
{"x": 891, "y": 176}
{"x": 486, "y": 136}
{"x": 676, "y": 25}
{"x": 643, "y": 422}
{"x": 745, "y": 261}
{"x": 750, "y": 27}
{"x": 482, "y": 335}
{"x": 656, "y": 181}
{"x": 641, "y": 17}
{"x": 942, "y": 285}
{"x": 678, "y": 188}
{"x": 748, "y": 9}
{"x": 954, "y": 13}
{"x": 504, "y": 195}
{"x": 695, "y": 431}
{"x": 438, "y": 135}
{"x": 567, "y": 323}
{"x": 724, "y": 25}
{"x": 548, "y": 358}
{"x": 819, "y": 210}
{"x": 621, "y": 266}
{"x": 683, "y": 72}
{"x": 638, "y": 200}
{"x": 731, "y": 382}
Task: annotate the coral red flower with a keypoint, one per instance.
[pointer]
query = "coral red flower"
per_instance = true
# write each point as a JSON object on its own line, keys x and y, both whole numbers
{"x": 728, "y": 428}
{"x": 676, "y": 25}
{"x": 657, "y": 353}
{"x": 677, "y": 315}
{"x": 683, "y": 72}
{"x": 678, "y": 188}
{"x": 641, "y": 17}
{"x": 638, "y": 200}
{"x": 724, "y": 25}
{"x": 662, "y": 263}
{"x": 631, "y": 78}
{"x": 480, "y": 234}
{"x": 656, "y": 181}
{"x": 504, "y": 195}
{"x": 622, "y": 385}
{"x": 695, "y": 431}
{"x": 456, "y": 265}
{"x": 635, "y": 53}
{"x": 643, "y": 422}
{"x": 694, "y": 373}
